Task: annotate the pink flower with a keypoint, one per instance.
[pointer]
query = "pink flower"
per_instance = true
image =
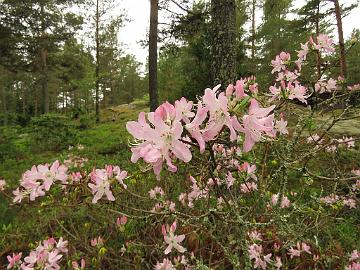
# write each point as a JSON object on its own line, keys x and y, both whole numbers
{"x": 76, "y": 266}
{"x": 323, "y": 43}
{"x": 19, "y": 196}
{"x": 120, "y": 175}
{"x": 325, "y": 87}
{"x": 354, "y": 255}
{"x": 285, "y": 202}
{"x": 293, "y": 252}
{"x": 305, "y": 248}
{"x": 278, "y": 263}
{"x": 120, "y": 221}
{"x": 155, "y": 191}
{"x": 218, "y": 115}
{"x": 97, "y": 241}
{"x": 297, "y": 91}
{"x": 248, "y": 187}
{"x": 257, "y": 122}
{"x": 159, "y": 143}
{"x": 183, "y": 109}
{"x": 62, "y": 245}
{"x": 280, "y": 62}
{"x": 280, "y": 126}
{"x": 255, "y": 235}
{"x": 229, "y": 179}
{"x": 164, "y": 265}
{"x": 194, "y": 127}
{"x": 171, "y": 239}
{"x": 49, "y": 175}
{"x": 101, "y": 185}
{"x": 2, "y": 184}
{"x": 14, "y": 260}
{"x": 353, "y": 266}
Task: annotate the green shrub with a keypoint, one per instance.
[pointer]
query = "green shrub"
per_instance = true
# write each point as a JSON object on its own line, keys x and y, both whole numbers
{"x": 52, "y": 132}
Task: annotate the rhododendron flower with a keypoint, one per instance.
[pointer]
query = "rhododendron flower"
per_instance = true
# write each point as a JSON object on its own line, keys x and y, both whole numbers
{"x": 229, "y": 179}
{"x": 120, "y": 176}
{"x": 280, "y": 62}
{"x": 158, "y": 143}
{"x": 248, "y": 187}
{"x": 354, "y": 255}
{"x": 194, "y": 127}
{"x": 285, "y": 202}
{"x": 353, "y": 266}
{"x": 257, "y": 122}
{"x": 280, "y": 126}
{"x": 76, "y": 266}
{"x": 297, "y": 91}
{"x": 278, "y": 263}
{"x": 255, "y": 235}
{"x": 183, "y": 108}
{"x": 255, "y": 253}
{"x": 219, "y": 115}
{"x": 155, "y": 191}
{"x": 164, "y": 265}
{"x": 323, "y": 42}
{"x": 2, "y": 184}
{"x": 52, "y": 173}
{"x": 171, "y": 239}
{"x": 97, "y": 241}
{"x": 302, "y": 54}
{"x": 324, "y": 87}
{"x": 14, "y": 260}
{"x": 295, "y": 252}
{"x": 46, "y": 256}
{"x": 121, "y": 221}
{"x": 351, "y": 203}
{"x": 100, "y": 185}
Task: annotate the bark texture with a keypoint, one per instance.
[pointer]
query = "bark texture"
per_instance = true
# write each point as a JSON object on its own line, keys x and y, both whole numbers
{"x": 153, "y": 36}
{"x": 224, "y": 39}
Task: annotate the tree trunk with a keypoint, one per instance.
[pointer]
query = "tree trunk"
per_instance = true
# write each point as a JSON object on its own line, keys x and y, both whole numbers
{"x": 43, "y": 55}
{"x": 3, "y": 101}
{"x": 253, "y": 37}
{"x": 341, "y": 38}
{"x": 153, "y": 36}
{"x": 44, "y": 82}
{"x": 97, "y": 68}
{"x": 318, "y": 55}
{"x": 224, "y": 39}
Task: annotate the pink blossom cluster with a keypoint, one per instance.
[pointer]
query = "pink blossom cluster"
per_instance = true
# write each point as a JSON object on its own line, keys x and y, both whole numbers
{"x": 160, "y": 135}
{"x": 2, "y": 184}
{"x": 323, "y": 43}
{"x": 195, "y": 194}
{"x": 260, "y": 260}
{"x": 172, "y": 240}
{"x": 47, "y": 255}
{"x": 97, "y": 242}
{"x": 169, "y": 205}
{"x": 354, "y": 87}
{"x": 284, "y": 203}
{"x": 289, "y": 87}
{"x": 325, "y": 86}
{"x": 39, "y": 179}
{"x": 333, "y": 199}
{"x": 73, "y": 161}
{"x": 300, "y": 247}
{"x": 354, "y": 261}
{"x": 101, "y": 180}
{"x": 166, "y": 264}
{"x": 76, "y": 266}
{"x": 121, "y": 221}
